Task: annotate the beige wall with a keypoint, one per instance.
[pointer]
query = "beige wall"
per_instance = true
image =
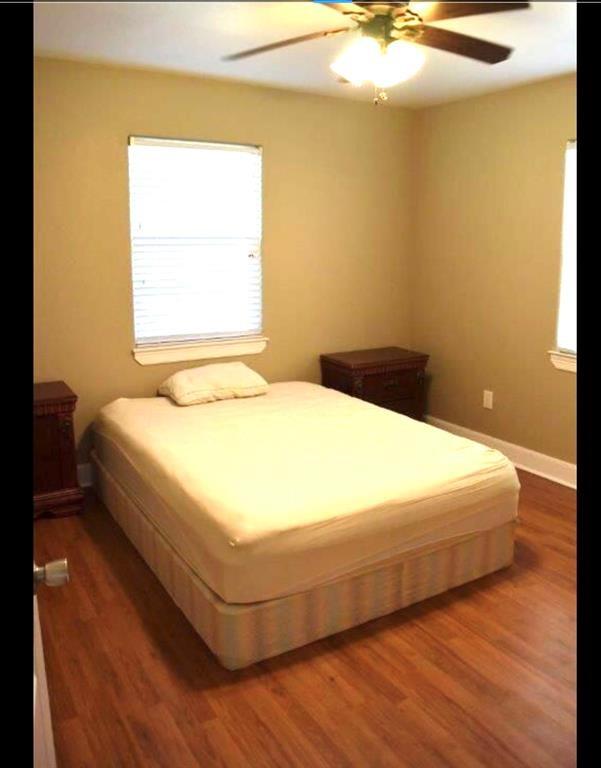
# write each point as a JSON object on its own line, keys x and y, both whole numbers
{"x": 449, "y": 244}
{"x": 336, "y": 195}
{"x": 485, "y": 261}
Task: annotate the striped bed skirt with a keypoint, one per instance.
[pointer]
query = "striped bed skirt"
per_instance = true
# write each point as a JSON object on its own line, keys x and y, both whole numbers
{"x": 244, "y": 633}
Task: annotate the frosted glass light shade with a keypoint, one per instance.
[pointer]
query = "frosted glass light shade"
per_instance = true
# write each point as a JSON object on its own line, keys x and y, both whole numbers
{"x": 364, "y": 61}
{"x": 357, "y": 62}
{"x": 400, "y": 62}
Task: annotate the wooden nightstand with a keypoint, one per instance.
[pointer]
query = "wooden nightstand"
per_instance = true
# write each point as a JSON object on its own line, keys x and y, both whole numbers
{"x": 391, "y": 377}
{"x": 55, "y": 488}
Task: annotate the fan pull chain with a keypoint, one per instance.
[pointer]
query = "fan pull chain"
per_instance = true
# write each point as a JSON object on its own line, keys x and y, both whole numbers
{"x": 379, "y": 96}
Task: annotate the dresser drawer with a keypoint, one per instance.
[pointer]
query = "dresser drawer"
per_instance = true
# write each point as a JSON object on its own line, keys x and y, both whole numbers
{"x": 55, "y": 488}
{"x": 391, "y": 377}
{"x": 382, "y": 387}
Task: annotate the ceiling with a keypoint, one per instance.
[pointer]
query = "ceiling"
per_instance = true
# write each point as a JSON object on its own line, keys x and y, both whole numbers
{"x": 192, "y": 37}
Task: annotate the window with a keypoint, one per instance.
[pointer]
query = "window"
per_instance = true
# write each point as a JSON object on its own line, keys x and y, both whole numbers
{"x": 565, "y": 355}
{"x": 196, "y": 225}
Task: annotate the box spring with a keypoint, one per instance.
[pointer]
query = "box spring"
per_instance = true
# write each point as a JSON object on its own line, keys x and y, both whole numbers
{"x": 244, "y": 633}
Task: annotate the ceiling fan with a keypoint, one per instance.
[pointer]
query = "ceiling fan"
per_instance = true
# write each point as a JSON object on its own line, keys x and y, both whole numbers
{"x": 388, "y": 23}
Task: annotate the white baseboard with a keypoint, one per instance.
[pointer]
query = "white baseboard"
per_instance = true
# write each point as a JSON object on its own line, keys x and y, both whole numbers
{"x": 84, "y": 475}
{"x": 538, "y": 463}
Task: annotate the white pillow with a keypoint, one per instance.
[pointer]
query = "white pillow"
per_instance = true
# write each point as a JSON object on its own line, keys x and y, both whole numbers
{"x": 219, "y": 381}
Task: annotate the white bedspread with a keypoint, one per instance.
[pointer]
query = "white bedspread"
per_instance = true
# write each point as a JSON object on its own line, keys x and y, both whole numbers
{"x": 271, "y": 495}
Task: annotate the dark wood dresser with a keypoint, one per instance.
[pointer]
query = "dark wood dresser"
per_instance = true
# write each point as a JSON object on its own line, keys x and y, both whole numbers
{"x": 55, "y": 488}
{"x": 391, "y": 377}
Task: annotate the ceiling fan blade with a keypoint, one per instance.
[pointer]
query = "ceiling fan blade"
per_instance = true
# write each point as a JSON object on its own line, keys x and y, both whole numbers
{"x": 463, "y": 45}
{"x": 349, "y": 9}
{"x": 283, "y": 43}
{"x": 442, "y": 11}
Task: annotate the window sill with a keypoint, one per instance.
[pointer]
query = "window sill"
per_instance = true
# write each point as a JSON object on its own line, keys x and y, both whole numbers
{"x": 563, "y": 360}
{"x": 199, "y": 350}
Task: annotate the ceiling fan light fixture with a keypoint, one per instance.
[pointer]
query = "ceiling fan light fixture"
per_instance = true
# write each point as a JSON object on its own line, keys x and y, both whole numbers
{"x": 398, "y": 63}
{"x": 358, "y": 61}
{"x": 366, "y": 60}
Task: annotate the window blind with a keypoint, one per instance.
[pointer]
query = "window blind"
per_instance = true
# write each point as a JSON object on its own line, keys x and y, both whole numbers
{"x": 196, "y": 226}
{"x": 566, "y": 327}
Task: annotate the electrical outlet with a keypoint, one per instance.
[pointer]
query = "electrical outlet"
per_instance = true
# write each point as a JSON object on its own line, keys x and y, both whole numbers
{"x": 487, "y": 399}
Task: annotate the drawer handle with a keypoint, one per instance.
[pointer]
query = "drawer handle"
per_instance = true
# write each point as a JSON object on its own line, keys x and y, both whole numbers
{"x": 391, "y": 383}
{"x": 65, "y": 426}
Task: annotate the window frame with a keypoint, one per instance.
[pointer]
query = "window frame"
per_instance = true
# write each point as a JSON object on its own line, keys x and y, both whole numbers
{"x": 563, "y": 359}
{"x": 194, "y": 349}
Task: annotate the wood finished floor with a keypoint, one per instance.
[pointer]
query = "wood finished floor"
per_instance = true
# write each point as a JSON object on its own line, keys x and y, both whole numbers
{"x": 483, "y": 675}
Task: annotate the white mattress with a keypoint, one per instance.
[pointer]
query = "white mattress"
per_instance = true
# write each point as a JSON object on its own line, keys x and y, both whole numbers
{"x": 275, "y": 494}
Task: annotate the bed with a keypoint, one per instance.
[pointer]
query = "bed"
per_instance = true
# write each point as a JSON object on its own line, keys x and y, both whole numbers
{"x": 275, "y": 520}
